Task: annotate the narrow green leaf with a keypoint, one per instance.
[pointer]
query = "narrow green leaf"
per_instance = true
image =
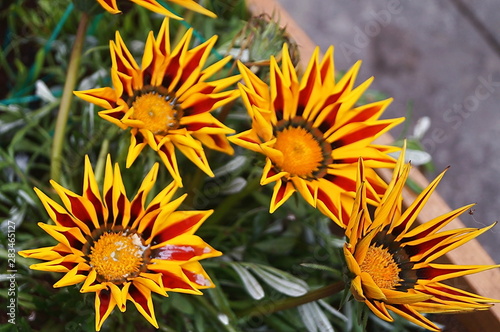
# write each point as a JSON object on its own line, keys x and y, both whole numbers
{"x": 251, "y": 284}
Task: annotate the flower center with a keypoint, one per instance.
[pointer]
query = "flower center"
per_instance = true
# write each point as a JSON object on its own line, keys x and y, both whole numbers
{"x": 159, "y": 113}
{"x": 302, "y": 153}
{"x": 117, "y": 256}
{"x": 380, "y": 265}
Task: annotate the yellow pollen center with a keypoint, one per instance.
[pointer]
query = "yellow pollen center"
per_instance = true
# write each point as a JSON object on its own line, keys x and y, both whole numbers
{"x": 380, "y": 265}
{"x": 302, "y": 153}
{"x": 156, "y": 111}
{"x": 116, "y": 256}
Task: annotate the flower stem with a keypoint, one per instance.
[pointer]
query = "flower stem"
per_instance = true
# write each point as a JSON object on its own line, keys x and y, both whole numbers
{"x": 63, "y": 114}
{"x": 262, "y": 309}
{"x": 211, "y": 308}
{"x": 230, "y": 201}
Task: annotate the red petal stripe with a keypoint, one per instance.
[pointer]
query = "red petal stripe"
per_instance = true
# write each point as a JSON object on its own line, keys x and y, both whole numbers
{"x": 218, "y": 140}
{"x": 278, "y": 101}
{"x": 365, "y": 114}
{"x": 179, "y": 252}
{"x": 203, "y": 106}
{"x": 73, "y": 241}
{"x": 62, "y": 219}
{"x": 429, "y": 273}
{"x": 80, "y": 212}
{"x": 121, "y": 208}
{"x": 104, "y": 298}
{"x": 177, "y": 229}
{"x": 195, "y": 126}
{"x": 116, "y": 115}
{"x": 170, "y": 280}
{"x": 108, "y": 199}
{"x": 421, "y": 248}
{"x": 429, "y": 230}
{"x": 166, "y": 152}
{"x": 329, "y": 121}
{"x": 246, "y": 139}
{"x": 281, "y": 192}
{"x": 345, "y": 183}
{"x": 194, "y": 62}
{"x": 325, "y": 199}
{"x": 139, "y": 298}
{"x": 171, "y": 72}
{"x": 136, "y": 206}
{"x": 334, "y": 98}
{"x": 197, "y": 278}
{"x": 96, "y": 202}
{"x": 305, "y": 94}
{"x": 360, "y": 134}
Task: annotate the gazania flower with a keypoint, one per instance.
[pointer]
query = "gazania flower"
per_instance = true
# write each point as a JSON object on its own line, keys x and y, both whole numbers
{"x": 391, "y": 260}
{"x": 112, "y": 7}
{"x": 123, "y": 250}
{"x": 312, "y": 133}
{"x": 167, "y": 102}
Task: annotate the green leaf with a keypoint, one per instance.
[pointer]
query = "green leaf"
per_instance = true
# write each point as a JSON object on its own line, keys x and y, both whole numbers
{"x": 320, "y": 267}
{"x": 251, "y": 284}
{"x": 279, "y": 280}
{"x": 314, "y": 318}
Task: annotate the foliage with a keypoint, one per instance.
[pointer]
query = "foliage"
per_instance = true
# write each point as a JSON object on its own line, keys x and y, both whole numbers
{"x": 267, "y": 257}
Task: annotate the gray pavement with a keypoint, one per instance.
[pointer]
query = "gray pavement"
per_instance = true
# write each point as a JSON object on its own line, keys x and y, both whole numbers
{"x": 441, "y": 57}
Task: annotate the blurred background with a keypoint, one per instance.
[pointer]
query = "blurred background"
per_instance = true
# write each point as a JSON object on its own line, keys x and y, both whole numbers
{"x": 439, "y": 60}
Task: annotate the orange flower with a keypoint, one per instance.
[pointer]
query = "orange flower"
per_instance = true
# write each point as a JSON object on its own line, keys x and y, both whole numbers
{"x": 392, "y": 263}
{"x": 312, "y": 133}
{"x": 123, "y": 250}
{"x": 167, "y": 102}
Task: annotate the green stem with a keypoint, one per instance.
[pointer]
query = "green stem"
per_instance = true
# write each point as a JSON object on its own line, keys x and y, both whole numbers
{"x": 262, "y": 309}
{"x": 194, "y": 185}
{"x": 69, "y": 86}
{"x": 230, "y": 201}
{"x": 211, "y": 308}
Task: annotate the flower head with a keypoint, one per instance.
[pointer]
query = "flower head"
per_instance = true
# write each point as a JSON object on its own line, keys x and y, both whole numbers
{"x": 312, "y": 133}
{"x": 112, "y": 7}
{"x": 167, "y": 101}
{"x": 120, "y": 249}
{"x": 391, "y": 260}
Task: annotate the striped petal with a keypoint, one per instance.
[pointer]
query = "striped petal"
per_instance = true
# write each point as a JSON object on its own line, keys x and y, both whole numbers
{"x": 141, "y": 297}
{"x": 104, "y": 305}
{"x": 183, "y": 248}
{"x": 392, "y": 261}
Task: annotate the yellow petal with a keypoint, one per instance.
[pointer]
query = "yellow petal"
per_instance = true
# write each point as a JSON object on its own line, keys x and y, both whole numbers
{"x": 194, "y": 6}
{"x": 357, "y": 289}
{"x": 90, "y": 286}
{"x": 103, "y": 97}
{"x": 72, "y": 277}
{"x": 281, "y": 192}
{"x": 140, "y": 295}
{"x": 370, "y": 288}
{"x": 119, "y": 294}
{"x": 352, "y": 264}
{"x": 407, "y": 312}
{"x": 152, "y": 281}
{"x": 198, "y": 276}
{"x": 269, "y": 173}
{"x": 104, "y": 305}
{"x": 380, "y": 310}
{"x": 397, "y": 297}
{"x": 110, "y": 6}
